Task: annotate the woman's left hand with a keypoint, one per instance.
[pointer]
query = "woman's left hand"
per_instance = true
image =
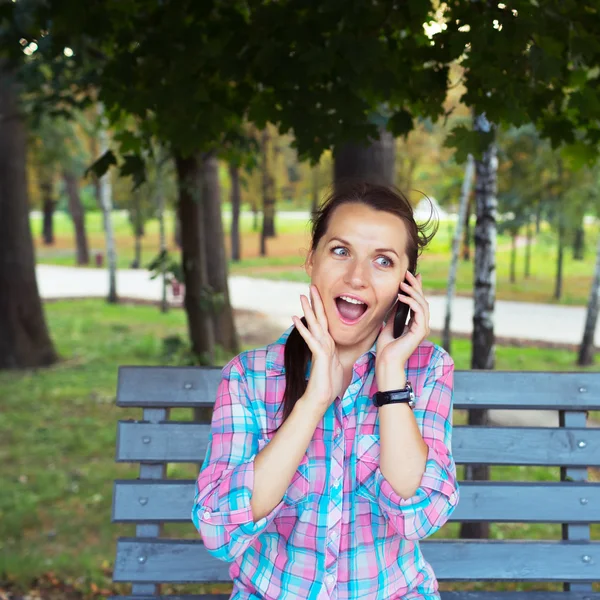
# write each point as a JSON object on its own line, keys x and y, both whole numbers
{"x": 393, "y": 354}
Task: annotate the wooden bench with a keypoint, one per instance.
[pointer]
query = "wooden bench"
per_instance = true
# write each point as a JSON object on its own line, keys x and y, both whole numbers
{"x": 151, "y": 500}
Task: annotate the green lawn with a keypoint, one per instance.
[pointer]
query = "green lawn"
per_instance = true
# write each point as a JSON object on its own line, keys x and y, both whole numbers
{"x": 57, "y": 441}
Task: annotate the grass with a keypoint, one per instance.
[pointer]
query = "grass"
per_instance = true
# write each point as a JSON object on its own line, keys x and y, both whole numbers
{"x": 57, "y": 440}
{"x": 287, "y": 251}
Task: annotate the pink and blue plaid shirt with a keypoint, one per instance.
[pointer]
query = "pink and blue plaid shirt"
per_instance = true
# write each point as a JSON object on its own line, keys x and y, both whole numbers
{"x": 340, "y": 531}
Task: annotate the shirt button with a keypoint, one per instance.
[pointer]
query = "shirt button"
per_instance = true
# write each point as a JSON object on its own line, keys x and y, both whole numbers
{"x": 206, "y": 515}
{"x": 334, "y": 535}
{"x": 338, "y": 432}
{"x": 330, "y": 578}
{"x": 337, "y": 483}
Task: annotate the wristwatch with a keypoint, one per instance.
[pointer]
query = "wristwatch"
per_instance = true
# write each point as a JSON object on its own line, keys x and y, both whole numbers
{"x": 405, "y": 395}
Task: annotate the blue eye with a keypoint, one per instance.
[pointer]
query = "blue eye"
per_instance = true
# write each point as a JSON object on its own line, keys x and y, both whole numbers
{"x": 335, "y": 250}
{"x": 389, "y": 261}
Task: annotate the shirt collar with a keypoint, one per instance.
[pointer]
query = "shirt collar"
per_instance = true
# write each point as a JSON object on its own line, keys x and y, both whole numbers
{"x": 275, "y": 364}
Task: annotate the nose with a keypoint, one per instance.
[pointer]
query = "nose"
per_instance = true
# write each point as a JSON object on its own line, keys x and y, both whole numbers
{"x": 356, "y": 275}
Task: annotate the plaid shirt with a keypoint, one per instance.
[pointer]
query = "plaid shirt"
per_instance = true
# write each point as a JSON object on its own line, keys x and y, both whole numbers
{"x": 340, "y": 531}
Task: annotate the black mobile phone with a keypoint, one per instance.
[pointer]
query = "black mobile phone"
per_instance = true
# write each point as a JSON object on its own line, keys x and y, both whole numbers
{"x": 401, "y": 316}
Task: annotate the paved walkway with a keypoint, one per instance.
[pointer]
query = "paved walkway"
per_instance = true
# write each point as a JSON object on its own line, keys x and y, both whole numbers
{"x": 280, "y": 300}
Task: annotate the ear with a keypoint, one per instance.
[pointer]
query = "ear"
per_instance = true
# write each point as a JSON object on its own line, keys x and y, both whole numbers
{"x": 308, "y": 265}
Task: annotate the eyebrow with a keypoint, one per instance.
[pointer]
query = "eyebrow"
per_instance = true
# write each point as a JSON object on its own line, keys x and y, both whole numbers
{"x": 347, "y": 243}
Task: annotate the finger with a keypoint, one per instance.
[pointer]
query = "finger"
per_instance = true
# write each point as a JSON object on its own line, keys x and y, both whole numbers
{"x": 309, "y": 314}
{"x": 318, "y": 307}
{"x": 416, "y": 294}
{"x": 419, "y": 316}
{"x": 415, "y": 281}
{"x": 306, "y": 334}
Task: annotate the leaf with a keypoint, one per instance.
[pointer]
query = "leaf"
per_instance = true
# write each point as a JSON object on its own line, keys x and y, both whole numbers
{"x": 134, "y": 166}
{"x": 578, "y": 155}
{"x": 401, "y": 123}
{"x": 101, "y": 166}
{"x": 467, "y": 141}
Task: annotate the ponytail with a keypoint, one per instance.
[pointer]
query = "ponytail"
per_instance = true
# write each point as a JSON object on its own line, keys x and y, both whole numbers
{"x": 296, "y": 357}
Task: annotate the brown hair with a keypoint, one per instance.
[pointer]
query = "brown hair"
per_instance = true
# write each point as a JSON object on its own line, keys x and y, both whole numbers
{"x": 378, "y": 197}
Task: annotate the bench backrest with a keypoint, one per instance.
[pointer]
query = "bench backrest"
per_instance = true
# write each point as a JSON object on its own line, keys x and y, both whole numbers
{"x": 154, "y": 499}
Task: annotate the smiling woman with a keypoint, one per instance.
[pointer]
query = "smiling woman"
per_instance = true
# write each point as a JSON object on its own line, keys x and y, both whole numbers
{"x": 330, "y": 450}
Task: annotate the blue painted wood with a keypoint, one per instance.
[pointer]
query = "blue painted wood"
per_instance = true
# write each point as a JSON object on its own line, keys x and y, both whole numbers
{"x": 185, "y": 561}
{"x": 498, "y": 501}
{"x": 197, "y": 386}
{"x": 186, "y": 442}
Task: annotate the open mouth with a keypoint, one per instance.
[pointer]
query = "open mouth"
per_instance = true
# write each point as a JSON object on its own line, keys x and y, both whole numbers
{"x": 350, "y": 310}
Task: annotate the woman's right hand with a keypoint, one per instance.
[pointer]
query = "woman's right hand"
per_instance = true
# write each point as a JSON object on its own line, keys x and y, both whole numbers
{"x": 326, "y": 374}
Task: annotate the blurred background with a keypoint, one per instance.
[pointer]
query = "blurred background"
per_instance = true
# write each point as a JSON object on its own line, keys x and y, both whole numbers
{"x": 159, "y": 164}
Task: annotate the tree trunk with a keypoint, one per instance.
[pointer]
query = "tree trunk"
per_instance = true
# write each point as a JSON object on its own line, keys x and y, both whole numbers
{"x": 193, "y": 258}
{"x": 528, "y": 251}
{"x": 138, "y": 229}
{"x": 579, "y": 243}
{"x": 160, "y": 213}
{"x": 268, "y": 225}
{"x": 484, "y": 295}
{"x": 177, "y": 234}
{"x": 48, "y": 206}
{"x": 558, "y": 283}
{"x": 586, "y": 350}
{"x": 234, "y": 175}
{"x": 466, "y": 249}
{"x": 314, "y": 190}
{"x": 462, "y": 209}
{"x": 373, "y": 162}
{"x": 223, "y": 321}
{"x": 538, "y": 218}
{"x": 105, "y": 190}
{"x": 513, "y": 257}
{"x": 78, "y": 215}
{"x": 24, "y": 338}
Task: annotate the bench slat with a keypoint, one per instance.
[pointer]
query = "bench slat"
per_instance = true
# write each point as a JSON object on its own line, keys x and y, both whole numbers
{"x": 515, "y": 502}
{"x": 197, "y": 386}
{"x": 184, "y": 561}
{"x": 186, "y": 442}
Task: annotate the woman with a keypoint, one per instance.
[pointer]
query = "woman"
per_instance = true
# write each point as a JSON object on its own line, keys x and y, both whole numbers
{"x": 308, "y": 487}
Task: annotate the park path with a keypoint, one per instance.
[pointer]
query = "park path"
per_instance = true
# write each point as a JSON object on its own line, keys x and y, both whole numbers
{"x": 280, "y": 299}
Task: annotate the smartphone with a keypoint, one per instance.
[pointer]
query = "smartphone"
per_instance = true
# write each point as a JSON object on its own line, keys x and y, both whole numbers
{"x": 401, "y": 316}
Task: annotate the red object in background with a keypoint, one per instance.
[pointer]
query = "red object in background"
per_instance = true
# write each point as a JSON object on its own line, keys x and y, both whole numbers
{"x": 176, "y": 286}
{"x": 99, "y": 259}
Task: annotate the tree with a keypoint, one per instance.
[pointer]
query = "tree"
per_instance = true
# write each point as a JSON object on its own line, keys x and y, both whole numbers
{"x": 24, "y": 338}
{"x": 222, "y": 314}
{"x": 463, "y": 208}
{"x": 78, "y": 215}
{"x": 586, "y": 349}
{"x": 484, "y": 292}
{"x": 372, "y": 161}
{"x": 105, "y": 200}
{"x": 236, "y": 246}
{"x": 57, "y": 150}
{"x": 193, "y": 258}
{"x": 268, "y": 191}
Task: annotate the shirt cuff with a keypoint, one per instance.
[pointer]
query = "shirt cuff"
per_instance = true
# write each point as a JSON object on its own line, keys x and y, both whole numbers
{"x": 234, "y": 511}
{"x": 435, "y": 479}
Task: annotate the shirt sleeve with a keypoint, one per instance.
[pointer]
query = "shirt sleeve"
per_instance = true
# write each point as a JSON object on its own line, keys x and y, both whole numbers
{"x": 222, "y": 512}
{"x": 438, "y": 494}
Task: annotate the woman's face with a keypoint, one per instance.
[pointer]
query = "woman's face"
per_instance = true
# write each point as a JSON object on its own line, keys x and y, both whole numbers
{"x": 357, "y": 267}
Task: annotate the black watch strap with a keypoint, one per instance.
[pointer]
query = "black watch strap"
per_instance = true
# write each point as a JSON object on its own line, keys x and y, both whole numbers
{"x": 405, "y": 395}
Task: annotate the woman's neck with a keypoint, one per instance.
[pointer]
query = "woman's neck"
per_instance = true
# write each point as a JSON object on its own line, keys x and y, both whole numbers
{"x": 348, "y": 355}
